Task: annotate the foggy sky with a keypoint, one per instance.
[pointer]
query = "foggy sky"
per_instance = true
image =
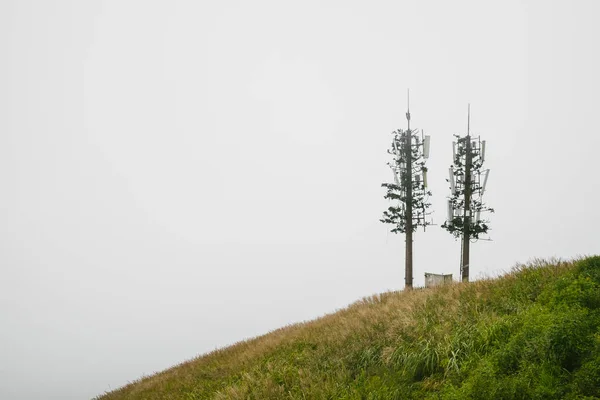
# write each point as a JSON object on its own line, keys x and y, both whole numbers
{"x": 176, "y": 176}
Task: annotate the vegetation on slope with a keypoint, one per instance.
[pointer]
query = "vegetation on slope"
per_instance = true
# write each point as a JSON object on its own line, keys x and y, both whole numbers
{"x": 532, "y": 334}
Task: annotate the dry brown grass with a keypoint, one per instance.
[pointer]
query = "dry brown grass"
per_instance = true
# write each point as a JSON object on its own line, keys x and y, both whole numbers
{"x": 394, "y": 310}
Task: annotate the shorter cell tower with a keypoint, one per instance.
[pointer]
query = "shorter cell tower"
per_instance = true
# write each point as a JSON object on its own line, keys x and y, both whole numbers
{"x": 467, "y": 181}
{"x": 409, "y": 188}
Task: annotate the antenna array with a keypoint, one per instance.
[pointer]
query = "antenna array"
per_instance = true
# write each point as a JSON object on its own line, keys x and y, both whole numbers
{"x": 405, "y": 177}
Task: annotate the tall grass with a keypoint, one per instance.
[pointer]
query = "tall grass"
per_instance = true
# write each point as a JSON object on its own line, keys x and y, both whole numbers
{"x": 533, "y": 333}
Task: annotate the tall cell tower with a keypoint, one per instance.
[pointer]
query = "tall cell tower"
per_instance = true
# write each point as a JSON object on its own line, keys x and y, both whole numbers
{"x": 409, "y": 189}
{"x": 467, "y": 181}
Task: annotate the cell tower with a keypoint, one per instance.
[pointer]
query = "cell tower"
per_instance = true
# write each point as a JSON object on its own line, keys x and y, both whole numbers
{"x": 467, "y": 181}
{"x": 409, "y": 188}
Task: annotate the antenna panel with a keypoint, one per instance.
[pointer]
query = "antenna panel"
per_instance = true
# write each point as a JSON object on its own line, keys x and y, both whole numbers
{"x": 450, "y": 211}
{"x": 452, "y": 184}
{"x": 426, "y": 146}
{"x": 482, "y": 150}
{"x": 425, "y": 178}
{"x": 487, "y": 173}
{"x": 396, "y": 179}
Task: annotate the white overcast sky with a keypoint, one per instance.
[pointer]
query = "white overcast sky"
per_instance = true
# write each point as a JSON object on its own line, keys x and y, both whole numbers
{"x": 176, "y": 176}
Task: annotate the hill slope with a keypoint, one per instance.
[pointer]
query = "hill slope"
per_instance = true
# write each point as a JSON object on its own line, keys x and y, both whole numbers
{"x": 533, "y": 333}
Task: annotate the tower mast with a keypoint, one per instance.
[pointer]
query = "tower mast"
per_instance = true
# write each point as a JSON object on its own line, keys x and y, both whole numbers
{"x": 408, "y": 271}
{"x": 466, "y": 237}
{"x": 409, "y": 189}
{"x": 465, "y": 203}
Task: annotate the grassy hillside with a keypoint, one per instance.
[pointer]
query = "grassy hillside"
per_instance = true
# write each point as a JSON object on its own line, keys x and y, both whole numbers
{"x": 532, "y": 334}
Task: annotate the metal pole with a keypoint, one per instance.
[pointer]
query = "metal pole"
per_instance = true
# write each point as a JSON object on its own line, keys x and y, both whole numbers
{"x": 467, "y": 209}
{"x": 408, "y": 272}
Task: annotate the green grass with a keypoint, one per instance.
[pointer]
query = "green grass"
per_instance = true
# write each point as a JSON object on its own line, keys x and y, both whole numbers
{"x": 531, "y": 334}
